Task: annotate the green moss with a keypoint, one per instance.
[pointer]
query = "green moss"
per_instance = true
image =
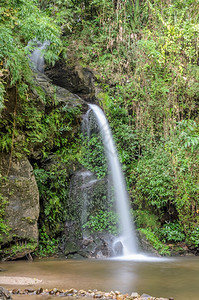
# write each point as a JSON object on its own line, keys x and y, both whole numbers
{"x": 29, "y": 220}
{"x": 4, "y": 228}
{"x": 155, "y": 242}
{"x": 19, "y": 249}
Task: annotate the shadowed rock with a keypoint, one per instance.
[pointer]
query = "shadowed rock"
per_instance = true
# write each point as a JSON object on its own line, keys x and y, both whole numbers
{"x": 4, "y": 294}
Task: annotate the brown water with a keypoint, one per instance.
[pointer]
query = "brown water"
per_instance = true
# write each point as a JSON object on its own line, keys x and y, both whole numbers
{"x": 178, "y": 277}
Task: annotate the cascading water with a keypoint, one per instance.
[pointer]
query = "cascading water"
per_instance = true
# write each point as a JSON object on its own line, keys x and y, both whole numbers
{"x": 128, "y": 237}
{"x": 36, "y": 56}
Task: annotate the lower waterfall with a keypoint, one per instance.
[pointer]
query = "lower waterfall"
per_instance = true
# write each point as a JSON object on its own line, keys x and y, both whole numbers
{"x": 128, "y": 236}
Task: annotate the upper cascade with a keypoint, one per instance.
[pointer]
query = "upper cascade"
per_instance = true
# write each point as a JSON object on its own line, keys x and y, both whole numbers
{"x": 37, "y": 56}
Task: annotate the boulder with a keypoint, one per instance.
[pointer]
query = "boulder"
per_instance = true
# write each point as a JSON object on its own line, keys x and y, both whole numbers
{"x": 87, "y": 194}
{"x": 75, "y": 78}
{"x": 145, "y": 245}
{"x": 4, "y": 294}
{"x": 60, "y": 94}
{"x": 20, "y": 191}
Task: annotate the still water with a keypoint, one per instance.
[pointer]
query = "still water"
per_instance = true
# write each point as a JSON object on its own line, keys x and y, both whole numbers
{"x": 177, "y": 277}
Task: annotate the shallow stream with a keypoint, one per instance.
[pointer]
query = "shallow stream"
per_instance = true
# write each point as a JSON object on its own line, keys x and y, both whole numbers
{"x": 176, "y": 277}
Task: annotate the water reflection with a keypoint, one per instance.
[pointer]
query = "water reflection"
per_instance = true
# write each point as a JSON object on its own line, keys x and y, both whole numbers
{"x": 177, "y": 277}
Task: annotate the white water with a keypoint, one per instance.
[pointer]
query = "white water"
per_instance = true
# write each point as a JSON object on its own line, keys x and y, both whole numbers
{"x": 128, "y": 237}
{"x": 142, "y": 258}
{"x": 37, "y": 56}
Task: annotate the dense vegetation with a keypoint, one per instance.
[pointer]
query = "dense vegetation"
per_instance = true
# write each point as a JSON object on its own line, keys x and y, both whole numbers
{"x": 145, "y": 55}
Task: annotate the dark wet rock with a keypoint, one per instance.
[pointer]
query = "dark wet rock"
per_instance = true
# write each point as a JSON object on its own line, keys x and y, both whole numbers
{"x": 73, "y": 293}
{"x": 22, "y": 209}
{"x": 146, "y": 297}
{"x": 58, "y": 98}
{"x": 73, "y": 236}
{"x": 71, "y": 248}
{"x": 63, "y": 95}
{"x": 102, "y": 245}
{"x": 5, "y": 294}
{"x": 29, "y": 290}
{"x": 87, "y": 194}
{"x": 75, "y": 78}
{"x": 39, "y": 291}
{"x": 145, "y": 245}
{"x": 118, "y": 248}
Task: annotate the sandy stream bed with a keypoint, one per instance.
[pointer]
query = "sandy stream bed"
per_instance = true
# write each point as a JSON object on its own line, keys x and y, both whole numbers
{"x": 13, "y": 280}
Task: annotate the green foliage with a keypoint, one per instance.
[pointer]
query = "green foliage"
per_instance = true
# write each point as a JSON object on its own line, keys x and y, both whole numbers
{"x": 20, "y": 247}
{"x": 154, "y": 186}
{"x": 103, "y": 221}
{"x": 172, "y": 232}
{"x": 146, "y": 219}
{"x": 93, "y": 156}
{"x": 188, "y": 132}
{"x": 4, "y": 228}
{"x": 20, "y": 22}
{"x": 124, "y": 136}
{"x": 47, "y": 246}
{"x": 53, "y": 188}
{"x": 193, "y": 237}
{"x": 155, "y": 242}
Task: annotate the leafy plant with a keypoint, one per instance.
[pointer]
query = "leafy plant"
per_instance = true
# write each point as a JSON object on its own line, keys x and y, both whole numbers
{"x": 155, "y": 242}
{"x": 146, "y": 219}
{"x": 172, "y": 232}
{"x": 93, "y": 156}
{"x": 155, "y": 180}
{"x": 47, "y": 246}
{"x": 20, "y": 22}
{"x": 4, "y": 228}
{"x": 103, "y": 221}
{"x": 192, "y": 238}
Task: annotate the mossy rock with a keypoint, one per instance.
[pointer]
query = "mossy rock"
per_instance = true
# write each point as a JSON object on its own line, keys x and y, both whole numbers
{"x": 22, "y": 206}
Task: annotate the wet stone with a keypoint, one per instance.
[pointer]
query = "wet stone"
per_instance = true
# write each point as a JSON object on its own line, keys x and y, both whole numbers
{"x": 146, "y": 297}
{"x": 5, "y": 294}
{"x": 97, "y": 296}
{"x": 134, "y": 295}
{"x": 82, "y": 293}
{"x": 117, "y": 293}
{"x": 39, "y": 291}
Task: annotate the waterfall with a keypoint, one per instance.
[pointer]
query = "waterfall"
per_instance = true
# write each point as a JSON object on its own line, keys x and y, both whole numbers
{"x": 128, "y": 236}
{"x": 36, "y": 56}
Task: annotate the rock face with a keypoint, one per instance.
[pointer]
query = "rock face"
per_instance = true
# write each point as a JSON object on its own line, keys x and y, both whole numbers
{"x": 63, "y": 95}
{"x": 87, "y": 194}
{"x": 4, "y": 294}
{"x": 74, "y": 78}
{"x": 145, "y": 245}
{"x": 22, "y": 209}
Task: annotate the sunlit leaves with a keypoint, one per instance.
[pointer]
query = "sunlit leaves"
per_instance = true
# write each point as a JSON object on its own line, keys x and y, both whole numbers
{"x": 188, "y": 131}
{"x": 19, "y": 23}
